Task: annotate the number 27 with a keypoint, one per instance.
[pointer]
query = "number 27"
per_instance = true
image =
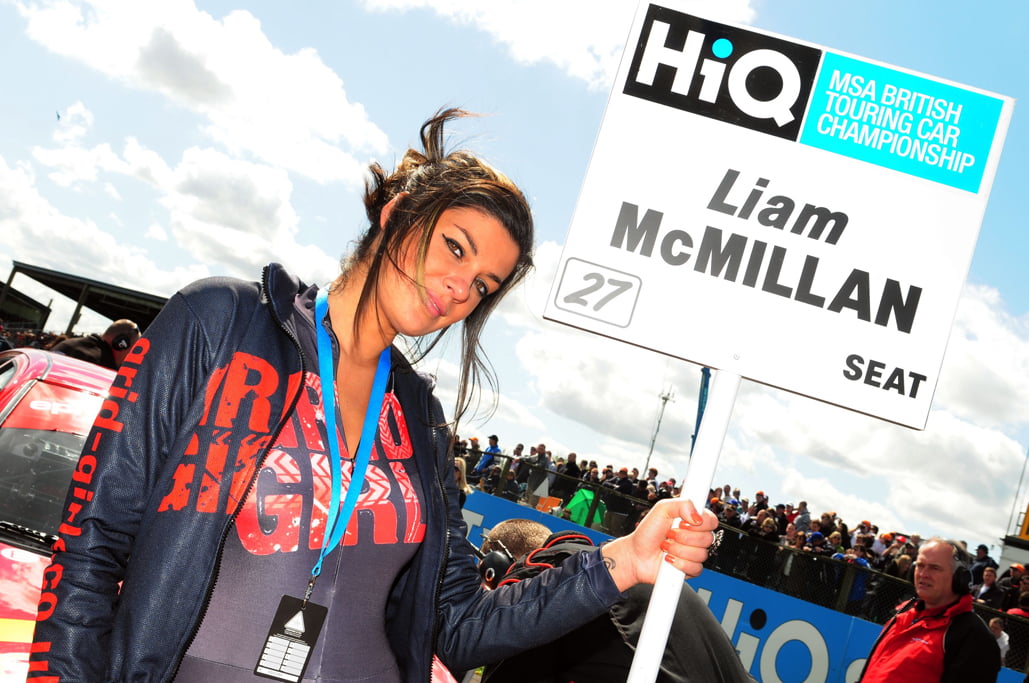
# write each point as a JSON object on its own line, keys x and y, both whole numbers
{"x": 597, "y": 281}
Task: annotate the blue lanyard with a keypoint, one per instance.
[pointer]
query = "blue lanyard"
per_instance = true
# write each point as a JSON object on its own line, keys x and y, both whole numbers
{"x": 338, "y": 519}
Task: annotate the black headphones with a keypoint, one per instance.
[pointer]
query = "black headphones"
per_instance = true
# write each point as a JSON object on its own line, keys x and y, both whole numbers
{"x": 494, "y": 564}
{"x": 961, "y": 582}
{"x": 121, "y": 342}
{"x": 126, "y": 339}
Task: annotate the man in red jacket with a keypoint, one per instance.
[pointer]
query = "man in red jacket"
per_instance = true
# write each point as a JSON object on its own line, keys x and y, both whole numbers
{"x": 936, "y": 636}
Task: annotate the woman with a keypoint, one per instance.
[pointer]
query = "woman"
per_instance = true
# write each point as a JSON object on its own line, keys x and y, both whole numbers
{"x": 211, "y": 467}
{"x": 461, "y": 479}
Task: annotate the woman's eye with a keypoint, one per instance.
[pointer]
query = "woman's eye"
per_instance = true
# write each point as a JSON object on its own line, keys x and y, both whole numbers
{"x": 454, "y": 246}
{"x": 481, "y": 287}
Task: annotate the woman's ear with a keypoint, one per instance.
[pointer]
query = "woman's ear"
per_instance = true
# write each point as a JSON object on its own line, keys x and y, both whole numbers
{"x": 387, "y": 209}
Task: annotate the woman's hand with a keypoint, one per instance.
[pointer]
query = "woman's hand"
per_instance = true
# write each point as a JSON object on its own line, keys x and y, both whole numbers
{"x": 637, "y": 557}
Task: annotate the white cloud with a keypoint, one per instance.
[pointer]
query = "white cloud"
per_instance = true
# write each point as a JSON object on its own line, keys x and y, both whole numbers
{"x": 221, "y": 210}
{"x": 155, "y": 231}
{"x": 584, "y": 38}
{"x": 38, "y": 233}
{"x": 74, "y": 165}
{"x": 986, "y": 369}
{"x": 916, "y": 481}
{"x": 225, "y": 70}
{"x": 73, "y": 123}
{"x": 237, "y": 213}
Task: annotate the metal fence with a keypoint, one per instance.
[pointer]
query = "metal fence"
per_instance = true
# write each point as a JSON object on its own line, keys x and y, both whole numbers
{"x": 832, "y": 583}
{"x": 838, "y": 584}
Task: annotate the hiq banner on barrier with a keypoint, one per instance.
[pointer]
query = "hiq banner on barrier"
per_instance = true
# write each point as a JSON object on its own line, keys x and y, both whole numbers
{"x": 801, "y": 217}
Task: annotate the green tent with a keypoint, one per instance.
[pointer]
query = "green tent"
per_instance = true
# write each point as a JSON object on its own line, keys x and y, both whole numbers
{"x": 579, "y": 506}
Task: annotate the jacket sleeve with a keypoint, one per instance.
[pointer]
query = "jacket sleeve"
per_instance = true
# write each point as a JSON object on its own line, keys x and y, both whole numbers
{"x": 971, "y": 654}
{"x": 107, "y": 499}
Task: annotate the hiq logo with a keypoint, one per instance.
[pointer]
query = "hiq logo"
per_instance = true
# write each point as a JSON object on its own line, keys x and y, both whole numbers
{"x": 744, "y": 78}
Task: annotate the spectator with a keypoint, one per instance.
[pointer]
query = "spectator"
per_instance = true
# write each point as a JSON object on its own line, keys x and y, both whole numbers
{"x": 652, "y": 478}
{"x": 515, "y": 537}
{"x": 697, "y": 648}
{"x": 1012, "y": 594}
{"x": 1012, "y": 576}
{"x": 988, "y": 592}
{"x": 512, "y": 490}
{"x": 826, "y": 524}
{"x": 730, "y": 517}
{"x": 566, "y": 484}
{"x": 618, "y": 505}
{"x": 516, "y": 456}
{"x": 488, "y": 455}
{"x": 856, "y": 556}
{"x": 899, "y": 567}
{"x": 781, "y": 519}
{"x": 863, "y": 528}
{"x": 762, "y": 558}
{"x": 1022, "y": 608}
{"x": 803, "y": 519}
{"x": 489, "y": 482}
{"x": 935, "y": 636}
{"x": 845, "y": 537}
{"x": 816, "y": 544}
{"x": 788, "y": 538}
{"x": 108, "y": 349}
{"x": 835, "y": 542}
{"x": 1003, "y": 641}
{"x": 982, "y": 561}
{"x": 463, "y": 489}
{"x": 537, "y": 484}
{"x": 473, "y": 453}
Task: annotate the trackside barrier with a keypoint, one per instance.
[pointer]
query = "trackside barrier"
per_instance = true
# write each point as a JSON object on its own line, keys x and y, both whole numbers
{"x": 789, "y": 613}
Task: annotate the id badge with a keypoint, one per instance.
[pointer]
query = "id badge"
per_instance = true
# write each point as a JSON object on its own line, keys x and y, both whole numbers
{"x": 291, "y": 638}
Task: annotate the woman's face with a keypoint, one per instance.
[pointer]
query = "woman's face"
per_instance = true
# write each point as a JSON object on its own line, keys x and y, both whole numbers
{"x": 470, "y": 255}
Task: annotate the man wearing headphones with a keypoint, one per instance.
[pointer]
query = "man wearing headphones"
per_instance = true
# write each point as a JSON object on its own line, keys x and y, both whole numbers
{"x": 108, "y": 349}
{"x": 697, "y": 650}
{"x": 936, "y": 636}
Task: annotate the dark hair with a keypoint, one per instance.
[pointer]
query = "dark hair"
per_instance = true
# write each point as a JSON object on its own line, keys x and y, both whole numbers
{"x": 429, "y": 182}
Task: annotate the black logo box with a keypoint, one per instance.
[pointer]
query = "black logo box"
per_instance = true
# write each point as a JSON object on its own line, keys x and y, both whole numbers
{"x": 763, "y": 83}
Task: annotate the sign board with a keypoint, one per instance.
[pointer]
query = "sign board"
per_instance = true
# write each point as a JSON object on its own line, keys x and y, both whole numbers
{"x": 798, "y": 216}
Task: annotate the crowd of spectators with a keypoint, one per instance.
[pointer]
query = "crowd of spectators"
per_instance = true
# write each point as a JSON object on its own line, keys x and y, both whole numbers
{"x": 860, "y": 569}
{"x": 627, "y": 495}
{"x": 13, "y": 338}
{"x": 529, "y": 476}
{"x": 107, "y": 349}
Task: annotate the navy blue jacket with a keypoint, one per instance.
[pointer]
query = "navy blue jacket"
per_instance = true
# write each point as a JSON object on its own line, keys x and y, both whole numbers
{"x": 223, "y": 363}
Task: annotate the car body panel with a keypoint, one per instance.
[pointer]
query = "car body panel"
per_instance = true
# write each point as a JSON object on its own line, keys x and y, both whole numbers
{"x": 48, "y": 403}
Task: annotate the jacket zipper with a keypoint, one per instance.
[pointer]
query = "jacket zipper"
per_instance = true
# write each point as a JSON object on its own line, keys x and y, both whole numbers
{"x": 213, "y": 579}
{"x": 443, "y": 554}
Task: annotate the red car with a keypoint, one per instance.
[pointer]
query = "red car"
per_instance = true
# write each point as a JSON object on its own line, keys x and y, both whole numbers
{"x": 47, "y": 404}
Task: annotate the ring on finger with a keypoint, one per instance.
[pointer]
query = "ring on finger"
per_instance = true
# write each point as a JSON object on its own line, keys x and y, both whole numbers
{"x": 716, "y": 540}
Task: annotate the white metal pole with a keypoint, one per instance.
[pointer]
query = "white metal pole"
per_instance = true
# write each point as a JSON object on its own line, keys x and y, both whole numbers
{"x": 665, "y": 598}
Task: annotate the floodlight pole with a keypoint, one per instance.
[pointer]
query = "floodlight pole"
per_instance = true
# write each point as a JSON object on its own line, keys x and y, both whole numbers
{"x": 665, "y": 397}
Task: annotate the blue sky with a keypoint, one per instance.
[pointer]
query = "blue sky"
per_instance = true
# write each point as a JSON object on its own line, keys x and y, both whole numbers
{"x": 212, "y": 137}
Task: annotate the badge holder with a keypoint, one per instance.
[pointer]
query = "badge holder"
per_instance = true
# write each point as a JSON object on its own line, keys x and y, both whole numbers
{"x": 298, "y": 622}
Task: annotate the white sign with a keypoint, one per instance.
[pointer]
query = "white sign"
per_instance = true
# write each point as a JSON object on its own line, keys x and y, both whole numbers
{"x": 800, "y": 217}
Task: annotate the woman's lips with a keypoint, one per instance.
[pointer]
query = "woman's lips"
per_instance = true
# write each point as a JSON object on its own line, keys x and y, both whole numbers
{"x": 435, "y": 305}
